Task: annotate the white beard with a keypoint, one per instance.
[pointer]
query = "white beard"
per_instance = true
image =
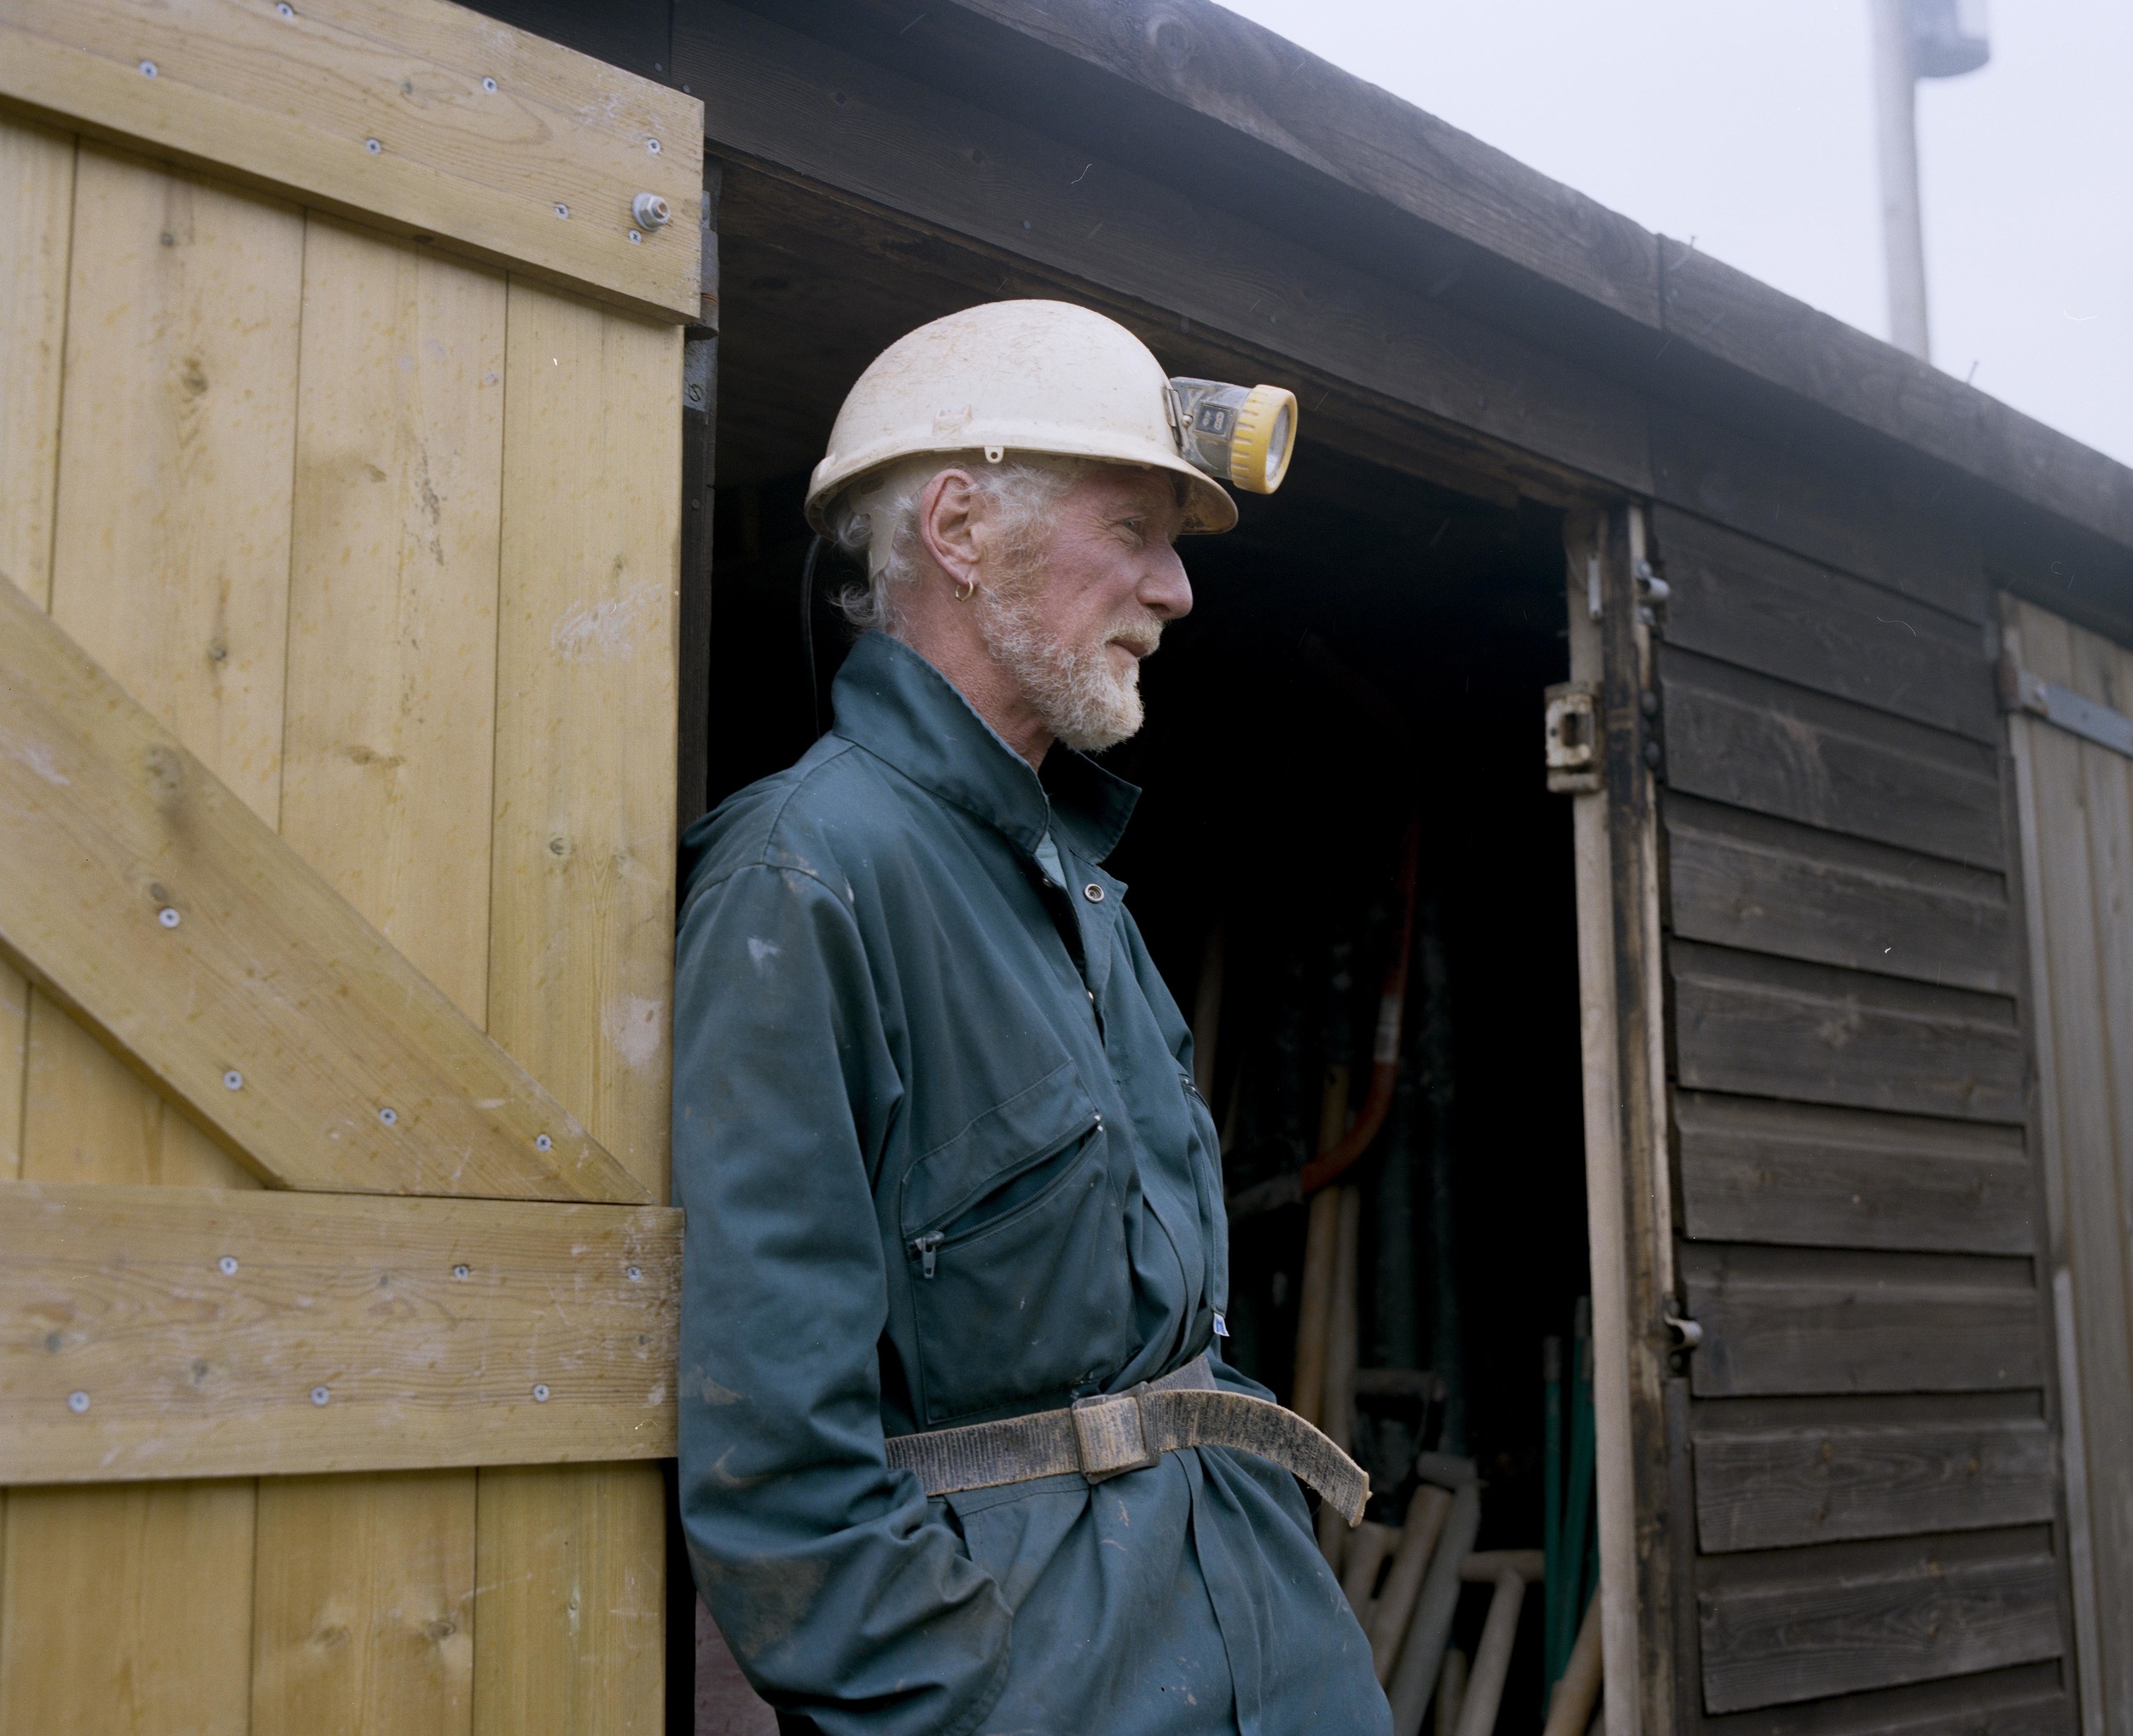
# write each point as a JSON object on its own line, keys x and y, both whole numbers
{"x": 1083, "y": 701}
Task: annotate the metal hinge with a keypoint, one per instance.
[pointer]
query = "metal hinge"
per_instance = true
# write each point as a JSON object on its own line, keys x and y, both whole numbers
{"x": 2020, "y": 691}
{"x": 1573, "y": 737}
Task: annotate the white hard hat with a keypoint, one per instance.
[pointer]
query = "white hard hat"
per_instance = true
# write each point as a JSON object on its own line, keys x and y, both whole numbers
{"x": 1047, "y": 377}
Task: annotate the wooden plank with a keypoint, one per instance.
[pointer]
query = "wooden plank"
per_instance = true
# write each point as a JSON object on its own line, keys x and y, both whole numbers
{"x": 170, "y": 557}
{"x": 1771, "y": 1489}
{"x": 2026, "y": 1699}
{"x": 2088, "y": 1144}
{"x": 364, "y": 1615}
{"x": 304, "y": 1027}
{"x": 1744, "y": 602}
{"x": 392, "y": 631}
{"x": 573, "y": 1562}
{"x": 488, "y": 140}
{"x": 1741, "y": 738}
{"x": 1754, "y": 1170}
{"x": 581, "y": 944}
{"x": 1744, "y": 879}
{"x": 1770, "y": 1027}
{"x": 37, "y": 205}
{"x": 1785, "y": 1321}
{"x": 14, "y": 1061}
{"x": 1863, "y": 1617}
{"x": 440, "y": 1332}
{"x": 792, "y": 101}
{"x": 127, "y": 1609}
{"x": 364, "y": 1618}
{"x": 572, "y": 1609}
{"x": 1869, "y": 510}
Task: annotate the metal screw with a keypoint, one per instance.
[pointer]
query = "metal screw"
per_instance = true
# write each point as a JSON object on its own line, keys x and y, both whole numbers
{"x": 635, "y": 1274}
{"x": 228, "y": 1262}
{"x": 147, "y": 69}
{"x": 233, "y": 1080}
{"x": 462, "y": 1271}
{"x": 562, "y": 211}
{"x": 319, "y": 1394}
{"x": 653, "y": 146}
{"x": 372, "y": 146}
{"x": 77, "y": 1403}
{"x": 490, "y": 85}
{"x": 540, "y": 1393}
{"x": 635, "y": 237}
{"x": 541, "y": 1142}
{"x": 168, "y": 916}
{"x": 388, "y": 1116}
{"x": 649, "y": 210}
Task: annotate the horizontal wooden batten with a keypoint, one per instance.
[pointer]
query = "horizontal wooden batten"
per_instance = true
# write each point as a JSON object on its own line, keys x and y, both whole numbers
{"x": 421, "y": 117}
{"x": 1743, "y": 879}
{"x": 1810, "y": 1624}
{"x": 1869, "y": 518}
{"x": 1745, "y": 739}
{"x": 143, "y": 893}
{"x": 1789, "y": 1321}
{"x": 793, "y": 103}
{"x": 1748, "y": 1024}
{"x": 165, "y": 1331}
{"x": 1767, "y": 1488}
{"x": 1738, "y": 599}
{"x": 2024, "y": 1700}
{"x": 1753, "y": 1169}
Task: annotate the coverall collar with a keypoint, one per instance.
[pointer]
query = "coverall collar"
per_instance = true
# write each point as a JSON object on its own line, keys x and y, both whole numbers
{"x": 891, "y": 701}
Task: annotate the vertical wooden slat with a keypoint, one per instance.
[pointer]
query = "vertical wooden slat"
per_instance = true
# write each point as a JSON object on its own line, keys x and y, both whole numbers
{"x": 171, "y": 556}
{"x": 392, "y": 631}
{"x": 128, "y": 1609}
{"x": 581, "y": 939}
{"x": 365, "y": 1622}
{"x": 366, "y": 1584}
{"x": 571, "y": 1632}
{"x": 36, "y": 197}
{"x": 2078, "y": 896}
{"x": 573, "y": 1559}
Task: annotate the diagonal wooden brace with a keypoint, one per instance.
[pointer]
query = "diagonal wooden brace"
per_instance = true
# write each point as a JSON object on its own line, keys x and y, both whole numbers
{"x": 140, "y": 892}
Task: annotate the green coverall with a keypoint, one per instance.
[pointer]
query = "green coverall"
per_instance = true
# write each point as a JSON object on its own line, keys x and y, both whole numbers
{"x": 935, "y": 1130}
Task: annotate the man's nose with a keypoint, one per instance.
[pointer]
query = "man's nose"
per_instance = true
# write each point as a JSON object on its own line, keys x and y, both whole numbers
{"x": 1165, "y": 592}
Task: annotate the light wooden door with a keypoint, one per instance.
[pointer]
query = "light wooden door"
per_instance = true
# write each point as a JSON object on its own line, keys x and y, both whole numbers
{"x": 340, "y": 384}
{"x": 2072, "y": 733}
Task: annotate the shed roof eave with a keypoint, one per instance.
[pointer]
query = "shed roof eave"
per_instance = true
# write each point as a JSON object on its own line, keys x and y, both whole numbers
{"x": 1337, "y": 127}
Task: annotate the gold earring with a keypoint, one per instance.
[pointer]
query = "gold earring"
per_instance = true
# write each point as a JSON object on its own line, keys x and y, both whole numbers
{"x": 962, "y": 592}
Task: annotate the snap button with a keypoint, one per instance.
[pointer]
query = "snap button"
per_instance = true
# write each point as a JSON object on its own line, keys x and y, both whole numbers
{"x": 1092, "y": 892}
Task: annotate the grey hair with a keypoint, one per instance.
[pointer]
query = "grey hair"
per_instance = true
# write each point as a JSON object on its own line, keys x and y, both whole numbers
{"x": 876, "y": 521}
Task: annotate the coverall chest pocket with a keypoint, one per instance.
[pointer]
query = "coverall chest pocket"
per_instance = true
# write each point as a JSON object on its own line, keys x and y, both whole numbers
{"x": 1015, "y": 1253}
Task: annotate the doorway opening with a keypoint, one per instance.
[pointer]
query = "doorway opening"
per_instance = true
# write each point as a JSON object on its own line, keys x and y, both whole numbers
{"x": 1366, "y": 654}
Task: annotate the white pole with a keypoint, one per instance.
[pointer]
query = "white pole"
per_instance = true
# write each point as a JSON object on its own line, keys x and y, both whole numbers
{"x": 1903, "y": 238}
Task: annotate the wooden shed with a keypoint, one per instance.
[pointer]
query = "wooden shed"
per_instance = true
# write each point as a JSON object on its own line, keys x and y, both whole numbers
{"x": 402, "y": 416}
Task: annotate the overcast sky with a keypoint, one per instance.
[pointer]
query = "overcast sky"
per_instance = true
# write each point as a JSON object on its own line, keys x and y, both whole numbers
{"x": 1747, "y": 127}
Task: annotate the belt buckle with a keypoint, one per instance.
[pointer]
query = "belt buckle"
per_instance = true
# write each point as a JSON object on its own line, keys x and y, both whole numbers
{"x": 1110, "y": 1435}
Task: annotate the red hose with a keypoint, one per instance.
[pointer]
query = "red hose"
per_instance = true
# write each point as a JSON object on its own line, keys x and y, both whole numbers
{"x": 1385, "y": 1071}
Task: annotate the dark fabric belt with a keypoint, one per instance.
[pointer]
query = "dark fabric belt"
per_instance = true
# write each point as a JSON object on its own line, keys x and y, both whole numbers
{"x": 1113, "y": 1433}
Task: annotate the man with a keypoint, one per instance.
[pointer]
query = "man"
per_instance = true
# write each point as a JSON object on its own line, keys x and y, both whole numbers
{"x": 948, "y": 1183}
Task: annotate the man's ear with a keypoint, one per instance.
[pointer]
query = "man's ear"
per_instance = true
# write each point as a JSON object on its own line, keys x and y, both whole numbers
{"x": 948, "y": 526}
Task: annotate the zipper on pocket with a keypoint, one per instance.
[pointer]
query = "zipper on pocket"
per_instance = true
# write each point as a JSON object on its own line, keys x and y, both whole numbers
{"x": 927, "y": 1248}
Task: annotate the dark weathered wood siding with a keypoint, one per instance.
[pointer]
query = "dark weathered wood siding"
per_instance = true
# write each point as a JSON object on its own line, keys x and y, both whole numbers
{"x": 1872, "y": 1450}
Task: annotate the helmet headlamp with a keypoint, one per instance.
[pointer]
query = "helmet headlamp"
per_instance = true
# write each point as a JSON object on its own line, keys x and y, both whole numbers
{"x": 1238, "y": 434}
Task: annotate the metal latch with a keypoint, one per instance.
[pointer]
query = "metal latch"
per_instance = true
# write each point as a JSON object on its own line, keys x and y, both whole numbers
{"x": 1573, "y": 737}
